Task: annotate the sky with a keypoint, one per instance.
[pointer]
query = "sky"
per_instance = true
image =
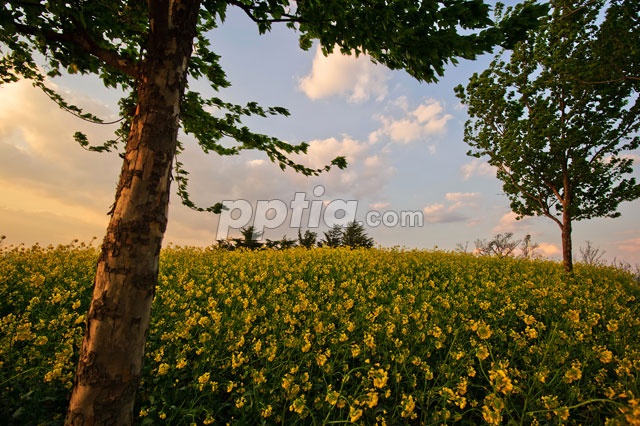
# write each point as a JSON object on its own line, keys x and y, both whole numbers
{"x": 403, "y": 141}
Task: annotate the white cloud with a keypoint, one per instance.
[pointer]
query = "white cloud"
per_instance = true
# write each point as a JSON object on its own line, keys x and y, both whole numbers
{"x": 255, "y": 163}
{"x": 433, "y": 208}
{"x": 462, "y": 199}
{"x": 443, "y": 213}
{"x": 461, "y": 196}
{"x": 509, "y": 223}
{"x": 477, "y": 167}
{"x": 367, "y": 171}
{"x": 427, "y": 112}
{"x": 322, "y": 151}
{"x": 421, "y": 123}
{"x": 338, "y": 74}
{"x": 548, "y": 249}
{"x": 378, "y": 206}
{"x": 373, "y": 161}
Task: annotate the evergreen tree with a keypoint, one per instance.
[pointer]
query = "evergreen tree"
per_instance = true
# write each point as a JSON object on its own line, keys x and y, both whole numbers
{"x": 249, "y": 239}
{"x": 333, "y": 237}
{"x": 354, "y": 235}
{"x": 286, "y": 243}
{"x": 308, "y": 240}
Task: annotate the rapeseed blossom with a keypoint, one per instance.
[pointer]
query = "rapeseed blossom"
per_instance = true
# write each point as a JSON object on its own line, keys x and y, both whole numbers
{"x": 339, "y": 335}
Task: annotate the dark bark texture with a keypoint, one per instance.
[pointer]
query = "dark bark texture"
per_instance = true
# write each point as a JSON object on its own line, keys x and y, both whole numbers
{"x": 112, "y": 351}
{"x": 567, "y": 249}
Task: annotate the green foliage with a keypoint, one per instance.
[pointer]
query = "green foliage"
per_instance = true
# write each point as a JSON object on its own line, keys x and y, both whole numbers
{"x": 557, "y": 139}
{"x": 308, "y": 240}
{"x": 109, "y": 39}
{"x": 249, "y": 239}
{"x": 318, "y": 336}
{"x": 332, "y": 237}
{"x": 354, "y": 235}
{"x": 286, "y": 243}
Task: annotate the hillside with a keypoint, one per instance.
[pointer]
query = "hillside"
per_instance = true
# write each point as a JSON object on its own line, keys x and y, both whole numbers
{"x": 336, "y": 335}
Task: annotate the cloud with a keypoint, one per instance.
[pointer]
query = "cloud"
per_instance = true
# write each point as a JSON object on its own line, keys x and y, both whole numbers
{"x": 462, "y": 199}
{"x": 367, "y": 171}
{"x": 421, "y": 123}
{"x": 477, "y": 167}
{"x": 255, "y": 163}
{"x": 433, "y": 208}
{"x": 39, "y": 158}
{"x": 509, "y": 223}
{"x": 338, "y": 74}
{"x": 378, "y": 206}
{"x": 446, "y": 213}
{"x": 548, "y": 249}
{"x": 631, "y": 246}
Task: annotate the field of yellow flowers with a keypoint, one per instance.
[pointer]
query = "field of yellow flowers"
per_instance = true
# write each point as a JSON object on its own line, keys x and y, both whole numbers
{"x": 337, "y": 336}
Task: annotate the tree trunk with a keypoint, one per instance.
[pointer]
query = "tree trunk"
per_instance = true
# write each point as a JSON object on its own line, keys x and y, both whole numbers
{"x": 567, "y": 250}
{"x": 111, "y": 356}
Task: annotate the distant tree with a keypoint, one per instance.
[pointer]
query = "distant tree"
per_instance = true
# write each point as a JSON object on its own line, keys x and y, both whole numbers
{"x": 249, "y": 239}
{"x": 462, "y": 248}
{"x": 557, "y": 140}
{"x": 227, "y": 244}
{"x": 286, "y": 243}
{"x": 308, "y": 240}
{"x": 591, "y": 255}
{"x": 333, "y": 237}
{"x": 272, "y": 244}
{"x": 354, "y": 235}
{"x": 501, "y": 245}
{"x": 528, "y": 247}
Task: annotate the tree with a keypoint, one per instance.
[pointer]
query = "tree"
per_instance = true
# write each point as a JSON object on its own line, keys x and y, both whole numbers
{"x": 333, "y": 237}
{"x": 286, "y": 243}
{"x": 355, "y": 236}
{"x": 462, "y": 248}
{"x": 591, "y": 255}
{"x": 502, "y": 245}
{"x": 308, "y": 240}
{"x": 616, "y": 53}
{"x": 557, "y": 141}
{"x": 249, "y": 239}
{"x": 151, "y": 50}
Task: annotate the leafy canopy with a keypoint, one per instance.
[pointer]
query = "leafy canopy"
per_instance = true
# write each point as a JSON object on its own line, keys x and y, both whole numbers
{"x": 109, "y": 38}
{"x": 557, "y": 138}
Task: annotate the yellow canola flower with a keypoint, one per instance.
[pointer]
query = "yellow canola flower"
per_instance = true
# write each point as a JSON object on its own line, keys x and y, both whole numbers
{"x": 354, "y": 414}
{"x": 482, "y": 353}
{"x": 501, "y": 381}
{"x": 408, "y": 405}
{"x": 163, "y": 368}
{"x": 379, "y": 377}
{"x": 483, "y": 331}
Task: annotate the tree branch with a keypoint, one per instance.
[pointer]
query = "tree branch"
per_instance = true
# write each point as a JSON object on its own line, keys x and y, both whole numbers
{"x": 82, "y": 39}
{"x": 248, "y": 10}
{"x": 615, "y": 80}
{"x": 545, "y": 208}
{"x": 577, "y": 9}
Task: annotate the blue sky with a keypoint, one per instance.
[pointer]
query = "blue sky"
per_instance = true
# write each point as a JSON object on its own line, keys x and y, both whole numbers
{"x": 403, "y": 140}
